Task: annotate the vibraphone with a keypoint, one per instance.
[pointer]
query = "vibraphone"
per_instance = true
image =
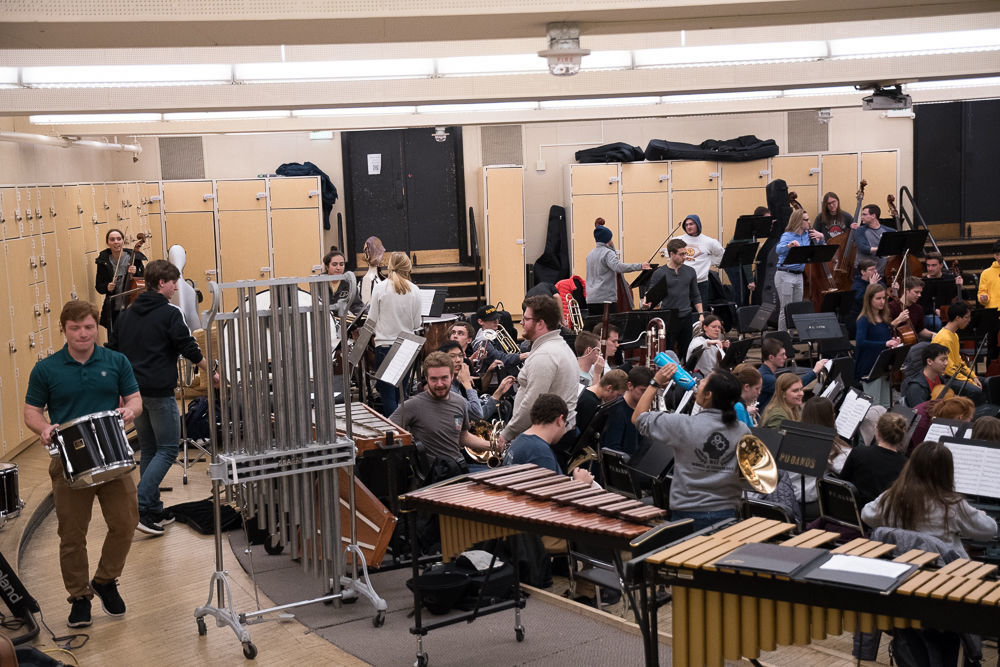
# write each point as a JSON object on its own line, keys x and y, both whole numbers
{"x": 725, "y": 614}
{"x": 526, "y": 498}
{"x": 370, "y": 430}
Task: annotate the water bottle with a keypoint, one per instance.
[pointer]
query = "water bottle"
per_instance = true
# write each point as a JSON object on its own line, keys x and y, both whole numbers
{"x": 681, "y": 377}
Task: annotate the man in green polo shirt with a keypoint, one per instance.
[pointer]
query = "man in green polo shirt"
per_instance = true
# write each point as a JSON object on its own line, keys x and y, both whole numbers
{"x": 80, "y": 379}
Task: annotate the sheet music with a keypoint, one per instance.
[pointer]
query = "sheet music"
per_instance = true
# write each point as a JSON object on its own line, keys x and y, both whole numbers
{"x": 862, "y": 565}
{"x": 426, "y": 301}
{"x": 400, "y": 361}
{"x": 832, "y": 388}
{"x": 977, "y": 469}
{"x": 941, "y": 429}
{"x": 852, "y": 411}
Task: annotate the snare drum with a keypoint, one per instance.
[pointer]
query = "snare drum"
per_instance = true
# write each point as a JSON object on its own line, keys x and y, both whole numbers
{"x": 93, "y": 449}
{"x": 10, "y": 497}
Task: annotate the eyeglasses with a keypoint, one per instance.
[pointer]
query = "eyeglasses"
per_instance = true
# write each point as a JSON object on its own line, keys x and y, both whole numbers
{"x": 525, "y": 318}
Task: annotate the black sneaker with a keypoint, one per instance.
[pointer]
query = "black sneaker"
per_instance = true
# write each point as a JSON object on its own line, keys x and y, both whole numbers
{"x": 79, "y": 615}
{"x": 148, "y": 525}
{"x": 111, "y": 601}
{"x": 164, "y": 517}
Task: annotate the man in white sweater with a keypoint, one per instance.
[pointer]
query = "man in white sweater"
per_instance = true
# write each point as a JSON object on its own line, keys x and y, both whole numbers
{"x": 701, "y": 253}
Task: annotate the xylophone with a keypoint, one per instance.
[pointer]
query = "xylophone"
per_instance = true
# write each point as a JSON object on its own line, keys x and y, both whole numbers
{"x": 527, "y": 498}
{"x": 725, "y": 614}
{"x": 370, "y": 430}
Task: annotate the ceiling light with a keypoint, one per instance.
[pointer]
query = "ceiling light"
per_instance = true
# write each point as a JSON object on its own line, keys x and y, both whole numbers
{"x": 477, "y": 107}
{"x": 81, "y": 119}
{"x": 334, "y": 70}
{"x": 958, "y": 41}
{"x": 226, "y": 115}
{"x": 564, "y": 54}
{"x": 106, "y": 76}
{"x": 730, "y": 54}
{"x": 469, "y": 65}
{"x": 598, "y": 102}
{"x": 354, "y": 111}
{"x": 954, "y": 83}
{"x": 722, "y": 97}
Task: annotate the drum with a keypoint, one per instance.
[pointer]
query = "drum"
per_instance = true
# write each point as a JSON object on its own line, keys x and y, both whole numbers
{"x": 436, "y": 331}
{"x": 93, "y": 449}
{"x": 10, "y": 497}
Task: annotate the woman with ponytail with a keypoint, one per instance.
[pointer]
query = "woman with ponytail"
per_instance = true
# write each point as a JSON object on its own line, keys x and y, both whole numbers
{"x": 706, "y": 486}
{"x": 394, "y": 308}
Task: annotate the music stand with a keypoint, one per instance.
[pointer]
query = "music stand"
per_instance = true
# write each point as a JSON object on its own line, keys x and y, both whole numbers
{"x": 852, "y": 410}
{"x": 657, "y": 292}
{"x": 752, "y": 227}
{"x": 940, "y": 292}
{"x": 909, "y": 242}
{"x": 761, "y": 317}
{"x": 736, "y": 353}
{"x": 738, "y": 254}
{"x": 805, "y": 449}
{"x": 643, "y": 278}
{"x": 814, "y": 327}
{"x": 810, "y": 254}
{"x": 888, "y": 360}
{"x": 432, "y": 301}
{"x": 839, "y": 303}
{"x": 395, "y": 368}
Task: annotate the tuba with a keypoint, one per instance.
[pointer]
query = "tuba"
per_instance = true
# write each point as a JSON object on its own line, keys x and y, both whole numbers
{"x": 491, "y": 432}
{"x": 500, "y": 337}
{"x": 756, "y": 464}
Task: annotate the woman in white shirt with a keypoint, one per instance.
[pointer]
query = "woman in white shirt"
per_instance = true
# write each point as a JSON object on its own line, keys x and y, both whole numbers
{"x": 711, "y": 343}
{"x": 395, "y": 308}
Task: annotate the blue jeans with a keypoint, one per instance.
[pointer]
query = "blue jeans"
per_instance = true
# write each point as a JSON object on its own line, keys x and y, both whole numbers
{"x": 932, "y": 322}
{"x": 388, "y": 393}
{"x": 703, "y": 519}
{"x": 159, "y": 430}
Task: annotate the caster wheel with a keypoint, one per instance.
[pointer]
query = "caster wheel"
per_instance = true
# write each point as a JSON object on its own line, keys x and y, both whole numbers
{"x": 202, "y": 628}
{"x": 249, "y": 651}
{"x": 422, "y": 660}
{"x": 273, "y": 548}
{"x": 379, "y": 619}
{"x": 519, "y": 634}
{"x": 351, "y": 601}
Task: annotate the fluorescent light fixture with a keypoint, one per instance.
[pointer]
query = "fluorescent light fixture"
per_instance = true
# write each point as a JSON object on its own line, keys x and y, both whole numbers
{"x": 474, "y": 107}
{"x": 730, "y": 54}
{"x": 321, "y": 135}
{"x": 354, "y": 111}
{"x": 722, "y": 97}
{"x": 124, "y": 75}
{"x": 598, "y": 60}
{"x": 511, "y": 64}
{"x": 598, "y": 102}
{"x": 85, "y": 118}
{"x": 958, "y": 41}
{"x": 953, "y": 83}
{"x": 334, "y": 70}
{"x": 8, "y": 77}
{"x": 816, "y": 92}
{"x": 226, "y": 115}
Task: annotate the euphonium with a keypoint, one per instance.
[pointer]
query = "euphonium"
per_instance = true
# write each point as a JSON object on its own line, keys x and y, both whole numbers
{"x": 503, "y": 339}
{"x": 756, "y": 465}
{"x": 491, "y": 432}
{"x": 575, "y": 314}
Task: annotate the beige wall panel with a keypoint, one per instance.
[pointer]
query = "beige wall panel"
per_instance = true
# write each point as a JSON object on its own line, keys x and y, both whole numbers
{"x": 183, "y": 196}
{"x": 242, "y": 195}
{"x": 737, "y": 202}
{"x": 840, "y": 176}
{"x": 504, "y": 237}
{"x": 586, "y": 209}
{"x": 13, "y": 403}
{"x": 645, "y": 225}
{"x": 68, "y": 206}
{"x": 753, "y": 174}
{"x": 9, "y": 214}
{"x": 704, "y": 203}
{"x": 297, "y": 192}
{"x": 297, "y": 238}
{"x": 196, "y": 233}
{"x": 645, "y": 177}
{"x": 694, "y": 175}
{"x": 796, "y": 169}
{"x": 594, "y": 179}
{"x": 879, "y": 169}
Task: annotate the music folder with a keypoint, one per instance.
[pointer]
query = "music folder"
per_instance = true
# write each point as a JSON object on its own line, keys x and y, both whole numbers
{"x": 643, "y": 277}
{"x": 771, "y": 558}
{"x": 873, "y": 574}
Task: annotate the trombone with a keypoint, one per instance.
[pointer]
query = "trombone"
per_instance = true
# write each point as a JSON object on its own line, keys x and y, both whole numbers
{"x": 574, "y": 316}
{"x": 499, "y": 336}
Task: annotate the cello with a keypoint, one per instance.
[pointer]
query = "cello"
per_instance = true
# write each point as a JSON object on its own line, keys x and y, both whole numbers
{"x": 819, "y": 281}
{"x": 843, "y": 260}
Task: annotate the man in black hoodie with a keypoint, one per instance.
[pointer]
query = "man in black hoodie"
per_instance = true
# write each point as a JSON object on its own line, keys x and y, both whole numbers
{"x": 152, "y": 334}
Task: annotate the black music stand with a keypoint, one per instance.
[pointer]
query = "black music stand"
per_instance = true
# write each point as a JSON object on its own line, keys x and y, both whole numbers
{"x": 909, "y": 242}
{"x": 736, "y": 353}
{"x": 738, "y": 254}
{"x": 888, "y": 360}
{"x": 752, "y": 227}
{"x": 398, "y": 363}
{"x": 940, "y": 292}
{"x": 642, "y": 279}
{"x": 657, "y": 292}
{"x": 810, "y": 254}
{"x": 815, "y": 327}
{"x": 839, "y": 303}
{"x": 805, "y": 449}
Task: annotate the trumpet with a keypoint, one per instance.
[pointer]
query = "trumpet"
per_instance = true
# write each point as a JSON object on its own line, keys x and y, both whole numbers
{"x": 574, "y": 315}
{"x": 492, "y": 457}
{"x": 500, "y": 337}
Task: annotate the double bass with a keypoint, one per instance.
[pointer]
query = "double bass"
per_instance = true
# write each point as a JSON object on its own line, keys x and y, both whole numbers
{"x": 843, "y": 260}
{"x": 819, "y": 281}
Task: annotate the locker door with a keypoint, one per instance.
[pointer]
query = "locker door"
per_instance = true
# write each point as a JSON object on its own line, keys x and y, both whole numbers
{"x": 243, "y": 249}
{"x": 504, "y": 236}
{"x": 694, "y": 175}
{"x": 594, "y": 179}
{"x": 89, "y": 200}
{"x": 796, "y": 170}
{"x": 26, "y": 209}
{"x": 9, "y": 213}
{"x": 703, "y": 203}
{"x": 646, "y": 177}
{"x": 645, "y": 224}
{"x": 879, "y": 169}
{"x": 586, "y": 209}
{"x": 79, "y": 261}
{"x": 295, "y": 192}
{"x": 294, "y": 234}
{"x": 196, "y": 233}
{"x": 102, "y": 205}
{"x": 242, "y": 195}
{"x": 840, "y": 176}
{"x": 737, "y": 202}
{"x": 45, "y": 208}
{"x": 68, "y": 213}
{"x": 183, "y": 196}
{"x": 753, "y": 174}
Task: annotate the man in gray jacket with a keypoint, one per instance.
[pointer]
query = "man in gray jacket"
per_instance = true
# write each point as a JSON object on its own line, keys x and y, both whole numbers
{"x": 602, "y": 266}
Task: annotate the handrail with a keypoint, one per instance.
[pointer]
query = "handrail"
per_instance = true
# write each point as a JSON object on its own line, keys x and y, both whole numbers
{"x": 476, "y": 257}
{"x": 903, "y": 215}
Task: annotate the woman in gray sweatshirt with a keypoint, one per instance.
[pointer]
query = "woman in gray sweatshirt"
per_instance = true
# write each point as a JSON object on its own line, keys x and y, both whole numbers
{"x": 706, "y": 485}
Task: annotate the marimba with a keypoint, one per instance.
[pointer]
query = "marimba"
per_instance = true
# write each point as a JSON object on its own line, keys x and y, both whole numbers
{"x": 526, "y": 498}
{"x": 371, "y": 430}
{"x": 725, "y": 614}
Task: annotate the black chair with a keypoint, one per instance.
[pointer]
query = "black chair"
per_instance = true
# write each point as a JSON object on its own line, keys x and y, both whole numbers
{"x": 765, "y": 509}
{"x": 838, "y": 503}
{"x": 991, "y": 387}
{"x": 745, "y": 315}
{"x": 596, "y": 565}
{"x": 797, "y": 308}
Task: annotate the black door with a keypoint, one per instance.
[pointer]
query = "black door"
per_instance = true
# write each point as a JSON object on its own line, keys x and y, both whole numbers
{"x": 404, "y": 187}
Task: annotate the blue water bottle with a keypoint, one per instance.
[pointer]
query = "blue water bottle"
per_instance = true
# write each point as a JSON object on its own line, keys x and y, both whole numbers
{"x": 681, "y": 377}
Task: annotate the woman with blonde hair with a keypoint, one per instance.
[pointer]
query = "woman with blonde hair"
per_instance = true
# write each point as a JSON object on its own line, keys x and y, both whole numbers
{"x": 395, "y": 308}
{"x": 873, "y": 468}
{"x": 788, "y": 277}
{"x": 786, "y": 404}
{"x": 874, "y": 335}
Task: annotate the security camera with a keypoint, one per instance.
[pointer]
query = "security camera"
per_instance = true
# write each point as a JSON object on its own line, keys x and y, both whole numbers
{"x": 564, "y": 53}
{"x": 440, "y": 135}
{"x": 135, "y": 157}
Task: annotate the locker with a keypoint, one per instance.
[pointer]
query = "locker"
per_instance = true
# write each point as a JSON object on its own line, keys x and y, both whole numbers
{"x": 796, "y": 170}
{"x": 294, "y": 234}
{"x": 646, "y": 177}
{"x": 753, "y": 174}
{"x": 183, "y": 196}
{"x": 694, "y": 175}
{"x": 297, "y": 192}
{"x": 503, "y": 236}
{"x": 248, "y": 195}
{"x": 586, "y": 209}
{"x": 594, "y": 179}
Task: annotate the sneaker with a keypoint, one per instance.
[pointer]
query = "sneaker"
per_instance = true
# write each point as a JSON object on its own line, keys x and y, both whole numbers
{"x": 164, "y": 517}
{"x": 111, "y": 601}
{"x": 148, "y": 525}
{"x": 79, "y": 615}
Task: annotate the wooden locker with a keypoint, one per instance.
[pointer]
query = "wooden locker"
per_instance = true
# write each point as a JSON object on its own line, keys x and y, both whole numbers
{"x": 243, "y": 250}
{"x": 737, "y": 202}
{"x": 808, "y": 197}
{"x": 295, "y": 192}
{"x": 48, "y": 263}
{"x": 151, "y": 197}
{"x": 68, "y": 208}
{"x": 753, "y": 174}
{"x": 840, "y": 176}
{"x": 102, "y": 204}
{"x": 26, "y": 209}
{"x": 8, "y": 213}
{"x": 503, "y": 236}
{"x": 88, "y": 196}
{"x": 645, "y": 225}
{"x": 195, "y": 232}
{"x": 586, "y": 209}
{"x": 10, "y": 408}
{"x": 880, "y": 169}
{"x": 184, "y": 196}
{"x": 45, "y": 208}
{"x": 154, "y": 247}
{"x": 594, "y": 179}
{"x": 694, "y": 175}
{"x": 796, "y": 170}
{"x": 645, "y": 177}
{"x": 703, "y": 203}
{"x": 297, "y": 239}
{"x": 250, "y": 195}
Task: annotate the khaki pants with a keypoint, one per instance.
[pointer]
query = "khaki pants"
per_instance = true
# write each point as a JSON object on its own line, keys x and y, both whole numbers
{"x": 73, "y": 510}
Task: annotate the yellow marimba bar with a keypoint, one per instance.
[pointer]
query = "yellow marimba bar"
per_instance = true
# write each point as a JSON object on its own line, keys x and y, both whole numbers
{"x": 710, "y": 626}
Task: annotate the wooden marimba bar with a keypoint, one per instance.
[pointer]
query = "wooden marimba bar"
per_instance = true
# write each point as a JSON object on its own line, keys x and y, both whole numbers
{"x": 725, "y": 614}
{"x": 369, "y": 429}
{"x": 527, "y": 498}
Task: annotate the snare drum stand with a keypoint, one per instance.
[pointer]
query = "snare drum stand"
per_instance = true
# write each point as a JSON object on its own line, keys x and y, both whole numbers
{"x": 185, "y": 441}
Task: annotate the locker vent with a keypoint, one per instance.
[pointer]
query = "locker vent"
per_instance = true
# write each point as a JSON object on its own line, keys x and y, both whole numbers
{"x": 181, "y": 158}
{"x": 501, "y": 144}
{"x": 805, "y": 133}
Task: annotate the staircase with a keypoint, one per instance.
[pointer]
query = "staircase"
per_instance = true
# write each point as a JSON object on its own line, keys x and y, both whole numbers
{"x": 465, "y": 292}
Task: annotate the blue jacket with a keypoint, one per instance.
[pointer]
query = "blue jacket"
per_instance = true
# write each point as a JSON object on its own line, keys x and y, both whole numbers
{"x": 783, "y": 248}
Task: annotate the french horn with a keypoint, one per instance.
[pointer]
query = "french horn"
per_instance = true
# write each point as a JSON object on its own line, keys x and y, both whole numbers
{"x": 756, "y": 464}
